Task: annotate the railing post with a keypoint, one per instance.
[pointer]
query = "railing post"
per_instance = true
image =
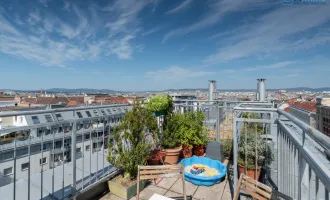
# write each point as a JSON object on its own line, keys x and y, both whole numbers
{"x": 73, "y": 155}
{"x": 235, "y": 146}
{"x": 303, "y": 186}
{"x": 217, "y": 126}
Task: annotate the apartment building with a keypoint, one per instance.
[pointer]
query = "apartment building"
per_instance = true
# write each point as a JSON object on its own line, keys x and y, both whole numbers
{"x": 48, "y": 146}
{"x": 323, "y": 115}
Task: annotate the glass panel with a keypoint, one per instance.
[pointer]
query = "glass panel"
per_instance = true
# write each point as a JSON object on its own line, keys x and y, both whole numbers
{"x": 35, "y": 120}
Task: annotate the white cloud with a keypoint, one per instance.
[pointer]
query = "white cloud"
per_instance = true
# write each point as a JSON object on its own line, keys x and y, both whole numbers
{"x": 153, "y": 30}
{"x": 66, "y": 6}
{"x": 176, "y": 73}
{"x": 229, "y": 71}
{"x": 217, "y": 11}
{"x": 53, "y": 39}
{"x": 287, "y": 28}
{"x": 44, "y": 2}
{"x": 272, "y": 66}
{"x": 180, "y": 7}
{"x": 34, "y": 18}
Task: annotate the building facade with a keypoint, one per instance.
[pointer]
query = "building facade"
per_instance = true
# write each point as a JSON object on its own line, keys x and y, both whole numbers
{"x": 49, "y": 146}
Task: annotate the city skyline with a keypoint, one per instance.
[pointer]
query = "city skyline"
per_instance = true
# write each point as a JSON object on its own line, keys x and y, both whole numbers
{"x": 157, "y": 45}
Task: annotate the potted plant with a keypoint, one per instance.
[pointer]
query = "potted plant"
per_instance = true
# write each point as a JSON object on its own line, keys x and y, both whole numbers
{"x": 131, "y": 148}
{"x": 160, "y": 104}
{"x": 200, "y": 139}
{"x": 170, "y": 138}
{"x": 253, "y": 150}
{"x": 191, "y": 132}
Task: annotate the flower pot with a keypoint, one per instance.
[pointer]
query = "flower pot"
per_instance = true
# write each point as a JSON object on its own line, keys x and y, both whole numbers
{"x": 199, "y": 150}
{"x": 125, "y": 192}
{"x": 156, "y": 157}
{"x": 186, "y": 151}
{"x": 172, "y": 155}
{"x": 250, "y": 172}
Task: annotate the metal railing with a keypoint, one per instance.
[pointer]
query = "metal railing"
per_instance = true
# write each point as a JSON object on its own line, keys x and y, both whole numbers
{"x": 56, "y": 164}
{"x": 300, "y": 165}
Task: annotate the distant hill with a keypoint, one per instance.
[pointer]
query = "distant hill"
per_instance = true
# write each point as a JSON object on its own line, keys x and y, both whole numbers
{"x": 108, "y": 91}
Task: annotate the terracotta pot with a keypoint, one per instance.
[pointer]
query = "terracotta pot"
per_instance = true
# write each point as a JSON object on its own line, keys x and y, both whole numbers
{"x": 250, "y": 172}
{"x": 156, "y": 157}
{"x": 199, "y": 150}
{"x": 186, "y": 151}
{"x": 172, "y": 155}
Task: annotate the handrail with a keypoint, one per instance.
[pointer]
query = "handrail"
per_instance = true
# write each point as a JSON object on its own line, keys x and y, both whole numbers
{"x": 16, "y": 113}
{"x": 312, "y": 132}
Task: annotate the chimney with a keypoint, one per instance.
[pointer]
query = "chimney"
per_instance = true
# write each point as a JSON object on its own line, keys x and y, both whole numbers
{"x": 261, "y": 90}
{"x": 212, "y": 90}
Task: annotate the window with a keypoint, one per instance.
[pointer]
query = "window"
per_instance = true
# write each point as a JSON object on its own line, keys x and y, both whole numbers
{"x": 25, "y": 166}
{"x": 8, "y": 171}
{"x": 35, "y": 120}
{"x": 60, "y": 129}
{"x": 109, "y": 111}
{"x": 15, "y": 118}
{"x": 88, "y": 147}
{"x": 95, "y": 112}
{"x": 79, "y": 115}
{"x": 119, "y": 109}
{"x": 78, "y": 150}
{"x": 88, "y": 114}
{"x": 114, "y": 109}
{"x": 59, "y": 117}
{"x": 43, "y": 161}
{"x": 87, "y": 137}
{"x": 103, "y": 112}
{"x": 48, "y": 118}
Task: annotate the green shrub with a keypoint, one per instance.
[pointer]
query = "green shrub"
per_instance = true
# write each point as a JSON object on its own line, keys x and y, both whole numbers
{"x": 130, "y": 147}
{"x": 227, "y": 147}
{"x": 160, "y": 103}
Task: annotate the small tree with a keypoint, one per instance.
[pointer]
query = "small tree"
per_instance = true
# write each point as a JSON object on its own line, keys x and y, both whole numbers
{"x": 252, "y": 148}
{"x": 160, "y": 103}
{"x": 170, "y": 136}
{"x": 130, "y": 147}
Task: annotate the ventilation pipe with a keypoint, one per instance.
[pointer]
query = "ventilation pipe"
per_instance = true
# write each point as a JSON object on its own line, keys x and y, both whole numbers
{"x": 212, "y": 90}
{"x": 261, "y": 90}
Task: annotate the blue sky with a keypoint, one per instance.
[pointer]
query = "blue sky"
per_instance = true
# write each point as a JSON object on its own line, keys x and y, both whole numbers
{"x": 160, "y": 44}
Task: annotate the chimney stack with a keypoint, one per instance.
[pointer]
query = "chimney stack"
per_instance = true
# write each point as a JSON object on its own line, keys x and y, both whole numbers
{"x": 212, "y": 90}
{"x": 261, "y": 89}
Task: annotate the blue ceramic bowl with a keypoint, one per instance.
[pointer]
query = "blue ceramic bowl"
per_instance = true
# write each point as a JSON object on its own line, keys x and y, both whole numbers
{"x": 204, "y": 180}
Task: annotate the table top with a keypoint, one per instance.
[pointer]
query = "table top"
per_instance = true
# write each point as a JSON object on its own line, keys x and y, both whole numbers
{"x": 159, "y": 197}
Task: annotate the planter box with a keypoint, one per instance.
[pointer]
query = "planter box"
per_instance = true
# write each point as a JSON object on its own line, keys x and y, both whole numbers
{"x": 125, "y": 192}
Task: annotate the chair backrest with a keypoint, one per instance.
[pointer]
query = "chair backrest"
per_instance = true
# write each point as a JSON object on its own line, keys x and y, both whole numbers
{"x": 252, "y": 187}
{"x": 161, "y": 171}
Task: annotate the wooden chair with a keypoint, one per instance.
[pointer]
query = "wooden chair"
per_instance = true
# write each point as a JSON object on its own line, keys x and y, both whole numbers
{"x": 257, "y": 190}
{"x": 160, "y": 171}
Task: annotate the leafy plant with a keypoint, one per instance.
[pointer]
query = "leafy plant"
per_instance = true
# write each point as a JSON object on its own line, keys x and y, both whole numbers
{"x": 252, "y": 127}
{"x": 130, "y": 147}
{"x": 253, "y": 148}
{"x": 170, "y": 136}
{"x": 191, "y": 128}
{"x": 160, "y": 103}
{"x": 227, "y": 147}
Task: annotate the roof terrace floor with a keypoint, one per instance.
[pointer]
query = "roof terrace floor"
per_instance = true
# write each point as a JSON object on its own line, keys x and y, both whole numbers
{"x": 172, "y": 187}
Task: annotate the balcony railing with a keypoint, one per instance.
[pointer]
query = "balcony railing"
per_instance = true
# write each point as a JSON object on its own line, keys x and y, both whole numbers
{"x": 300, "y": 168}
{"x": 32, "y": 172}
